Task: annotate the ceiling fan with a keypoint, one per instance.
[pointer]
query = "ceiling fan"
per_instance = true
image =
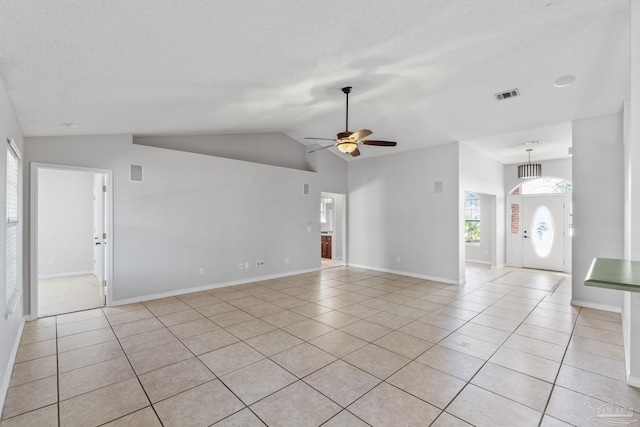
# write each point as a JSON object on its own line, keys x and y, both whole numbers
{"x": 346, "y": 141}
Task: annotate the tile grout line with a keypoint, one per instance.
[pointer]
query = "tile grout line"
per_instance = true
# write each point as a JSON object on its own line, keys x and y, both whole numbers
{"x": 134, "y": 373}
{"x": 217, "y": 377}
{"x": 194, "y": 355}
{"x": 553, "y": 385}
{"x": 488, "y": 359}
{"x": 300, "y": 379}
{"x": 372, "y": 285}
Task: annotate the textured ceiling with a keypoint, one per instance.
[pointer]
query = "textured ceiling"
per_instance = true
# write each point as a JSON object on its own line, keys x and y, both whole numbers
{"x": 554, "y": 142}
{"x": 423, "y": 72}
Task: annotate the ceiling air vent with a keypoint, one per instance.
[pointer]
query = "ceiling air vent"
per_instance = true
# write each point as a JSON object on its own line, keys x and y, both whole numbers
{"x": 508, "y": 94}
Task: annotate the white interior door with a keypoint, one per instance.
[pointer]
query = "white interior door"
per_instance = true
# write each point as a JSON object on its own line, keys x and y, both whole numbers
{"x": 543, "y": 232}
{"x": 99, "y": 231}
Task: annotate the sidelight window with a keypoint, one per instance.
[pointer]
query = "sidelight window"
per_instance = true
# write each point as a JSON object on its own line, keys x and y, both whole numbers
{"x": 472, "y": 217}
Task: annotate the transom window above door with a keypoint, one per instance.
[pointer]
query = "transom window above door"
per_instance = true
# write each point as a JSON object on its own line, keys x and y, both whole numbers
{"x": 545, "y": 185}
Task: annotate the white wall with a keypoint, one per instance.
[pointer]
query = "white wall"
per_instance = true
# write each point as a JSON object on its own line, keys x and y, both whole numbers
{"x": 10, "y": 327}
{"x": 196, "y": 211}
{"x": 598, "y": 203}
{"x": 65, "y": 227}
{"x": 484, "y": 175}
{"x": 332, "y": 170}
{"x": 276, "y": 149}
{"x": 394, "y": 212}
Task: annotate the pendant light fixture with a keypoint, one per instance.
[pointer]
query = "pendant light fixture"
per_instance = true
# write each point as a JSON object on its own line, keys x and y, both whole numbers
{"x": 529, "y": 170}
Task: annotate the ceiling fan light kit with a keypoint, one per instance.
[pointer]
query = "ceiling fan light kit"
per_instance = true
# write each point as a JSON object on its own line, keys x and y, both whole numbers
{"x": 347, "y": 142}
{"x": 529, "y": 170}
{"x": 347, "y": 147}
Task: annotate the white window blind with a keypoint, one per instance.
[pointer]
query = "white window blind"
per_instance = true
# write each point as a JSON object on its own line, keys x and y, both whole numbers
{"x": 14, "y": 290}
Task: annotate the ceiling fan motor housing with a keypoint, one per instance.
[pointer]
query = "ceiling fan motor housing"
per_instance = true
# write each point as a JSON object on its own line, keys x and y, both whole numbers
{"x": 343, "y": 135}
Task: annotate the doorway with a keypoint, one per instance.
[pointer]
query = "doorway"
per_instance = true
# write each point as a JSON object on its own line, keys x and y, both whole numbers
{"x": 480, "y": 230}
{"x": 332, "y": 229}
{"x": 539, "y": 225}
{"x": 70, "y": 261}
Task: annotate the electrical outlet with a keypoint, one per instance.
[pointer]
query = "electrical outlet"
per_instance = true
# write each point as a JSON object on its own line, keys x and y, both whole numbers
{"x": 50, "y": 261}
{"x": 241, "y": 266}
{"x": 246, "y": 265}
{"x": 286, "y": 260}
{"x": 260, "y": 264}
{"x": 398, "y": 259}
{"x": 201, "y": 271}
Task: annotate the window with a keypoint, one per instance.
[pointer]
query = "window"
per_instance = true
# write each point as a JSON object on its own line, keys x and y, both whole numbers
{"x": 14, "y": 290}
{"x": 471, "y": 217}
{"x": 546, "y": 185}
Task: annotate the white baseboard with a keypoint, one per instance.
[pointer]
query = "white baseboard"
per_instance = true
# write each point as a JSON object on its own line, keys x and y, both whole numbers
{"x": 603, "y": 307}
{"x": 498, "y": 267}
{"x": 208, "y": 287}
{"x": 477, "y": 261}
{"x": 633, "y": 381}
{"x": 12, "y": 360}
{"x": 406, "y": 273}
{"x": 72, "y": 273}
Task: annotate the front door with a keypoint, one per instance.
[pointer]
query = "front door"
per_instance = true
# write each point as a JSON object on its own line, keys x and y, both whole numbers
{"x": 543, "y": 232}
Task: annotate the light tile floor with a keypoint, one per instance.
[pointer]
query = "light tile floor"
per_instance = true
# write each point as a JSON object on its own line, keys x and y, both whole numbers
{"x": 340, "y": 347}
{"x": 328, "y": 262}
{"x": 66, "y": 294}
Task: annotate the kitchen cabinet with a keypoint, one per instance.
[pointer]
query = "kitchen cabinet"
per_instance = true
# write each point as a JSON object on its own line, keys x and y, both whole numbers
{"x": 325, "y": 246}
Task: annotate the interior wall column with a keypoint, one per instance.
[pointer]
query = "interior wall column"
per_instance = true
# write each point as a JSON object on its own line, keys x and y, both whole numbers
{"x": 631, "y": 304}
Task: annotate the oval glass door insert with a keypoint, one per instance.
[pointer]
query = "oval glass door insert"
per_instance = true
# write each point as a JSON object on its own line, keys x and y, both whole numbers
{"x": 542, "y": 231}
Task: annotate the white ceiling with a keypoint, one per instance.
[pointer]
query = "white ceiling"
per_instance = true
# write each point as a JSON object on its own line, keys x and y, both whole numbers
{"x": 423, "y": 72}
{"x": 554, "y": 142}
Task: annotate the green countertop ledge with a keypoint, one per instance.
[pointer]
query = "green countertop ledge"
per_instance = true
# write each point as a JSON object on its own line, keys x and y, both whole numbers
{"x": 620, "y": 274}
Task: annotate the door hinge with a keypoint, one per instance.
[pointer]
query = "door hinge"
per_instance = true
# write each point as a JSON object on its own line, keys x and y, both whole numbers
{"x": 104, "y": 283}
{"x": 104, "y": 235}
{"x": 104, "y": 188}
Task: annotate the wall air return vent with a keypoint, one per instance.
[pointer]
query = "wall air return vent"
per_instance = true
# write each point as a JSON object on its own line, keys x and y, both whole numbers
{"x": 135, "y": 173}
{"x": 508, "y": 94}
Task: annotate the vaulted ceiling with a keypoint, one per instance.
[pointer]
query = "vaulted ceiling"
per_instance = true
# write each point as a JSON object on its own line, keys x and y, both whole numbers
{"x": 424, "y": 72}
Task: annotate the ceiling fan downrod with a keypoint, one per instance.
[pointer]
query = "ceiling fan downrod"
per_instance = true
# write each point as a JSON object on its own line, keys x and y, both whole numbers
{"x": 347, "y": 90}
